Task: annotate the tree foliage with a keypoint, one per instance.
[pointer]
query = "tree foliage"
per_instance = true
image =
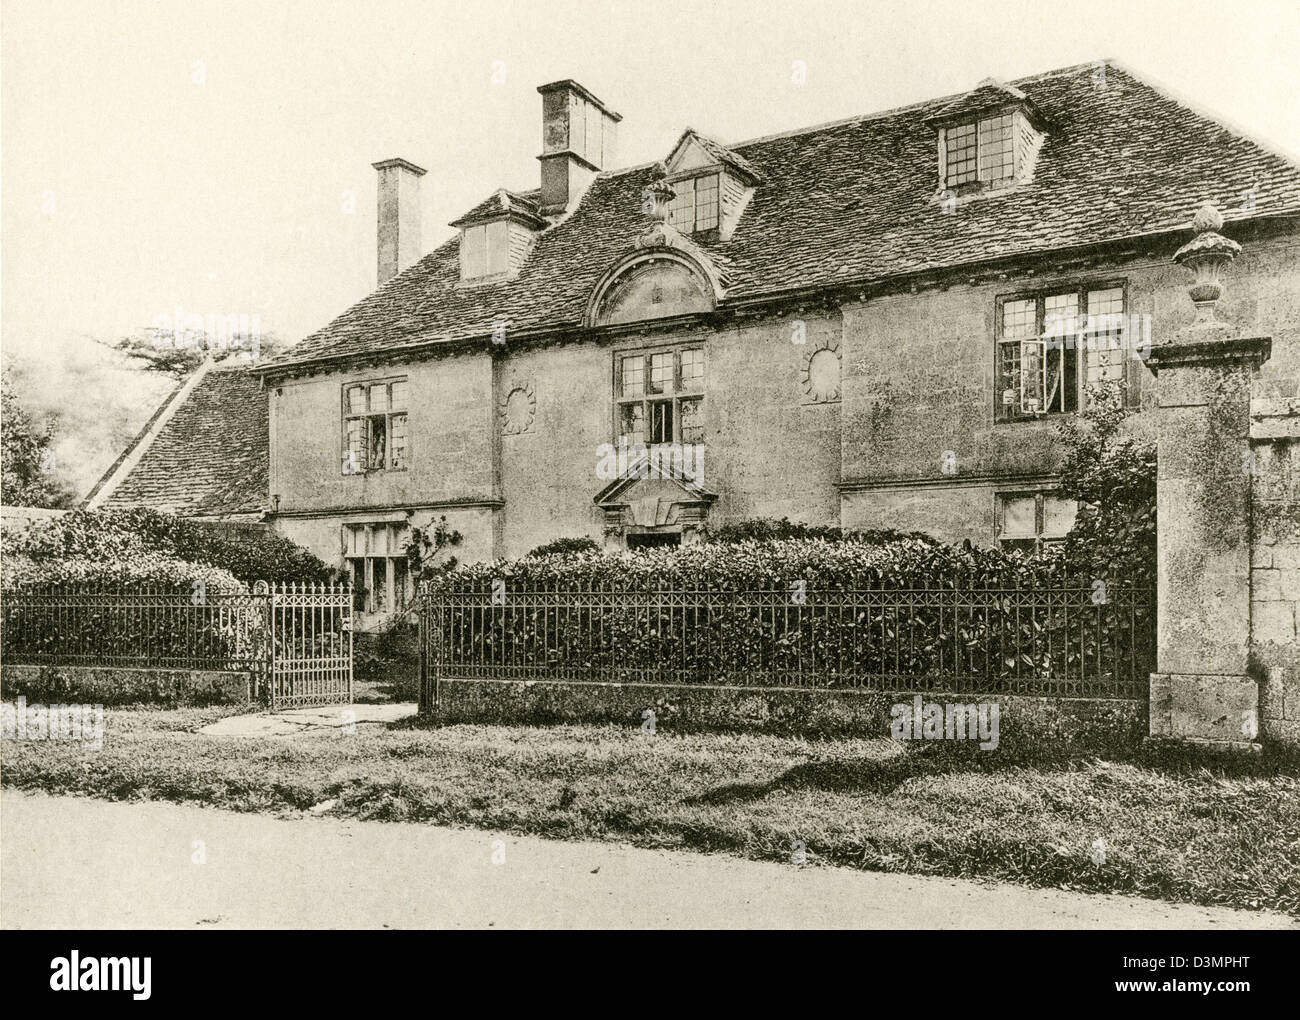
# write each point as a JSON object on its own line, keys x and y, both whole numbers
{"x": 1112, "y": 474}
{"x": 117, "y": 536}
{"x": 178, "y": 353}
{"x": 27, "y": 464}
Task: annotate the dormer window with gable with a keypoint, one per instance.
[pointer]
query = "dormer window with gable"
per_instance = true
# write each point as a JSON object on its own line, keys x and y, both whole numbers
{"x": 713, "y": 185}
{"x": 988, "y": 139}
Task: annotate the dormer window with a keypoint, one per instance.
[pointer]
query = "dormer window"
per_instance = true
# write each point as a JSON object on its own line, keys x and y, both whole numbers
{"x": 696, "y": 205}
{"x": 982, "y": 151}
{"x": 496, "y": 236}
{"x": 485, "y": 250}
{"x": 988, "y": 138}
{"x": 713, "y": 184}
{"x": 996, "y": 148}
{"x": 959, "y": 143}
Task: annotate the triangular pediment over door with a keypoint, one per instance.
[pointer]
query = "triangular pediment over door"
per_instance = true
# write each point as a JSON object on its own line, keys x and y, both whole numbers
{"x": 648, "y": 500}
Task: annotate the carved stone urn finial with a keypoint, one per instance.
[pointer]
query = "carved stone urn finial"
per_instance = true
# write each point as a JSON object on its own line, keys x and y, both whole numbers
{"x": 1206, "y": 255}
{"x": 655, "y": 200}
{"x": 660, "y": 194}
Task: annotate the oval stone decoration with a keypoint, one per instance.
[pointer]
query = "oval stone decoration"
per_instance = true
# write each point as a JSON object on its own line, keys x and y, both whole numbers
{"x": 518, "y": 410}
{"x": 821, "y": 375}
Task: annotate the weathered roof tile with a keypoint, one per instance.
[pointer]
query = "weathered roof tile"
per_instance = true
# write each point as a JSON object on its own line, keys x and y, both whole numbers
{"x": 211, "y": 458}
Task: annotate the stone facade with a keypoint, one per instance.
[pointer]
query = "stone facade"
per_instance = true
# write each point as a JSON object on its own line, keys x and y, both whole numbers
{"x": 509, "y": 485}
{"x": 841, "y": 325}
{"x": 1275, "y": 565}
{"x": 916, "y": 382}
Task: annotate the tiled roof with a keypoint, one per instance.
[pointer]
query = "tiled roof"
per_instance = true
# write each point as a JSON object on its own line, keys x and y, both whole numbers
{"x": 989, "y": 92}
{"x": 721, "y": 153}
{"x": 500, "y": 201}
{"x": 211, "y": 457}
{"x": 855, "y": 201}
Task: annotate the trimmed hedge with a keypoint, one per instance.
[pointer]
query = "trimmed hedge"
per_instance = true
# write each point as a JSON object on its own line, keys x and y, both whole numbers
{"x": 127, "y": 573}
{"x": 766, "y": 564}
{"x": 116, "y": 685}
{"x": 123, "y": 535}
{"x": 203, "y": 620}
{"x": 566, "y": 545}
{"x": 767, "y": 529}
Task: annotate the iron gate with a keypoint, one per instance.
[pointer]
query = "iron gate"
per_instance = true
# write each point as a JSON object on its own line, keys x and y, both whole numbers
{"x": 311, "y": 646}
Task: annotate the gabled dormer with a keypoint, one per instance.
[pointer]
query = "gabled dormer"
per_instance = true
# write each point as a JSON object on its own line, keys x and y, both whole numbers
{"x": 496, "y": 236}
{"x": 988, "y": 139}
{"x": 712, "y": 183}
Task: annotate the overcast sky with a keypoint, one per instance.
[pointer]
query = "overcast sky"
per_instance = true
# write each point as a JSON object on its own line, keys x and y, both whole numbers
{"x": 215, "y": 157}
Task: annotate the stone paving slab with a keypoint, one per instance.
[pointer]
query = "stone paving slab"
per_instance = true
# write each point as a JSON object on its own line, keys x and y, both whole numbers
{"x": 319, "y": 719}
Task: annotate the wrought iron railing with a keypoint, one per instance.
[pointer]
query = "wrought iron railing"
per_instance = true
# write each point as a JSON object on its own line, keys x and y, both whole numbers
{"x": 1070, "y": 642}
{"x": 295, "y": 639}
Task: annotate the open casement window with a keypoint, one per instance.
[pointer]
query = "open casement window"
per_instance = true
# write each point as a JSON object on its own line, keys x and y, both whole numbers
{"x": 374, "y": 427}
{"x": 696, "y": 206}
{"x": 1032, "y": 521}
{"x": 659, "y": 396}
{"x": 1051, "y": 346}
{"x": 375, "y": 555}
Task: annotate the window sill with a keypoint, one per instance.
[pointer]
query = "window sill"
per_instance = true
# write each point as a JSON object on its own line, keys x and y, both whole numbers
{"x": 485, "y": 280}
{"x": 1023, "y": 418}
{"x": 963, "y": 193}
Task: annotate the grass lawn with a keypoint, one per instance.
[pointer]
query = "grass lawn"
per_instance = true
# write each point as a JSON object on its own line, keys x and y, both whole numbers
{"x": 1211, "y": 832}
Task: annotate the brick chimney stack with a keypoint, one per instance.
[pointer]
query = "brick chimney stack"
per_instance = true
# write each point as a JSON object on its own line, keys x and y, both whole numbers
{"x": 578, "y": 135}
{"x": 399, "y": 216}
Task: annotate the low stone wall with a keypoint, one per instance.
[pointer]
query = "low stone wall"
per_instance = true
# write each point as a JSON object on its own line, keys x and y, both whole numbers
{"x": 1023, "y": 720}
{"x": 99, "y": 685}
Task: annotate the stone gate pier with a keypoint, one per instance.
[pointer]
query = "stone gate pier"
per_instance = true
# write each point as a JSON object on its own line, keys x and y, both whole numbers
{"x": 1228, "y": 504}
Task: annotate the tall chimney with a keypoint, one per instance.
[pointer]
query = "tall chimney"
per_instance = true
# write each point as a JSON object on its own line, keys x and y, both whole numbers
{"x": 399, "y": 216}
{"x": 578, "y": 135}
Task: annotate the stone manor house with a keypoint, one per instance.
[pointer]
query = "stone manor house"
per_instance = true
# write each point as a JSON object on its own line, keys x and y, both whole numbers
{"x": 872, "y": 323}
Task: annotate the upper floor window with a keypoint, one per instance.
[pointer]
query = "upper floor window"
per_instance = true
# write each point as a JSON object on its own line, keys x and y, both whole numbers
{"x": 1052, "y": 346}
{"x": 696, "y": 206}
{"x": 980, "y": 151}
{"x": 659, "y": 395}
{"x": 374, "y": 426}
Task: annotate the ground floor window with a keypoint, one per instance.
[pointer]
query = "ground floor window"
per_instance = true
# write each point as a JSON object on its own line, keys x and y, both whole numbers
{"x": 1033, "y": 521}
{"x": 377, "y": 567}
{"x": 651, "y": 539}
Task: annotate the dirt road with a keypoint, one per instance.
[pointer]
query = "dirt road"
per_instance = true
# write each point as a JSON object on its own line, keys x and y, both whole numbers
{"x": 72, "y": 862}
